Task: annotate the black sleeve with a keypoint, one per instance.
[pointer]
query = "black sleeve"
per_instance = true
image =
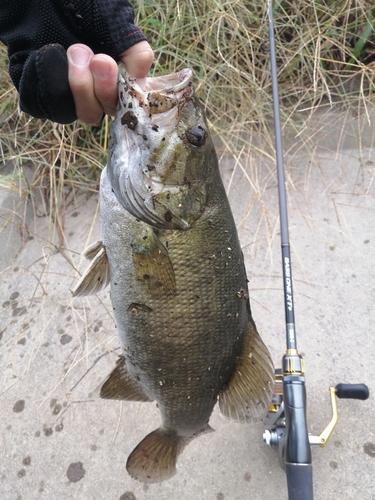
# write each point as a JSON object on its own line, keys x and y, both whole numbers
{"x": 38, "y": 32}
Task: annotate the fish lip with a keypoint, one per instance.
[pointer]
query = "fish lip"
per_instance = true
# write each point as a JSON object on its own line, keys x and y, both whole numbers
{"x": 161, "y": 93}
{"x": 159, "y": 83}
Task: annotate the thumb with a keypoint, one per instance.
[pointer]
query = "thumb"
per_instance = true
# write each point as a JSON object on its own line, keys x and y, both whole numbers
{"x": 138, "y": 60}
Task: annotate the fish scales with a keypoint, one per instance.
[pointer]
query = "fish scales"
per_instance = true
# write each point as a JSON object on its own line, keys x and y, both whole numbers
{"x": 185, "y": 344}
{"x": 178, "y": 282}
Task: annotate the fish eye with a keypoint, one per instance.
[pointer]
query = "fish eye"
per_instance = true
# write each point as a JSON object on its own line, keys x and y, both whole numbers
{"x": 196, "y": 135}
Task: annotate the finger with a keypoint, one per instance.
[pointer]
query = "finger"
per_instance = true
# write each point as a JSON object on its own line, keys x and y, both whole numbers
{"x": 88, "y": 108}
{"x": 138, "y": 60}
{"x": 105, "y": 74}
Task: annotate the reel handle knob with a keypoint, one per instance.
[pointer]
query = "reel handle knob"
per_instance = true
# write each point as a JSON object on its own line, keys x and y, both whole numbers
{"x": 352, "y": 391}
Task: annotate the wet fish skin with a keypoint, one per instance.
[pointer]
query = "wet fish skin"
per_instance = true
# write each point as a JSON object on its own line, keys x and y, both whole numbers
{"x": 178, "y": 281}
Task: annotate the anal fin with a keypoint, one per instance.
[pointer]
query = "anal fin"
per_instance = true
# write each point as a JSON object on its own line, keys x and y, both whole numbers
{"x": 97, "y": 275}
{"x": 247, "y": 395}
{"x": 120, "y": 385}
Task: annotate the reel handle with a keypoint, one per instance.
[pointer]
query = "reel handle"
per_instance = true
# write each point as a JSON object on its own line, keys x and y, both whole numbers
{"x": 352, "y": 391}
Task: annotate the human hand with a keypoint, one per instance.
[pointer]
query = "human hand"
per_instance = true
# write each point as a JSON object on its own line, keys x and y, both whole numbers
{"x": 93, "y": 78}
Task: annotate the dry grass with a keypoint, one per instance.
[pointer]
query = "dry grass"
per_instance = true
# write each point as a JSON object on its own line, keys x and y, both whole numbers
{"x": 326, "y": 54}
{"x": 325, "y": 51}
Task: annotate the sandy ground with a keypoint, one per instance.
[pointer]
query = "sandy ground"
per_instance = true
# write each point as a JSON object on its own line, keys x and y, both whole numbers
{"x": 60, "y": 440}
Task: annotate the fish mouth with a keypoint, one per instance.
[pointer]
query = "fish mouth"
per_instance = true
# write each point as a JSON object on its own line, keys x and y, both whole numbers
{"x": 149, "y": 156}
{"x": 161, "y": 93}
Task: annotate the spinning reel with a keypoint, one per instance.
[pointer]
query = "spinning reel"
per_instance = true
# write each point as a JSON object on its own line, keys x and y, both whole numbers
{"x": 287, "y": 429}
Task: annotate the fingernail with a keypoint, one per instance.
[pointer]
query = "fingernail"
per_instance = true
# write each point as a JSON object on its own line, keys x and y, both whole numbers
{"x": 100, "y": 71}
{"x": 79, "y": 56}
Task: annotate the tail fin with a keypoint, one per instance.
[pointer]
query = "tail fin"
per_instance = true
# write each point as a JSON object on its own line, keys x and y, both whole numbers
{"x": 154, "y": 459}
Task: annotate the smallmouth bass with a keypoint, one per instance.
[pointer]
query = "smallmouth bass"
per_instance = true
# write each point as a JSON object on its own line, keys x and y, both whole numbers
{"x": 171, "y": 254}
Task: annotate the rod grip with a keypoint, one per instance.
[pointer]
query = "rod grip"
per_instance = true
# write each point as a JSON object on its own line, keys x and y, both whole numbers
{"x": 352, "y": 391}
{"x": 297, "y": 445}
{"x": 300, "y": 481}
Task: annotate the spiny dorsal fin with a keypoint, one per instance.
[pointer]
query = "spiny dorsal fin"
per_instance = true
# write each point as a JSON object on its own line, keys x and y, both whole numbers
{"x": 247, "y": 395}
{"x": 97, "y": 276}
{"x": 120, "y": 385}
{"x": 152, "y": 263}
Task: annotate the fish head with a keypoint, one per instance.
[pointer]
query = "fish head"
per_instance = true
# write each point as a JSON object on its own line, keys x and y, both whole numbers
{"x": 160, "y": 151}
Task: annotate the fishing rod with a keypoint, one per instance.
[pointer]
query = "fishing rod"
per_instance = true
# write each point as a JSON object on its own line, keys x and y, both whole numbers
{"x": 286, "y": 419}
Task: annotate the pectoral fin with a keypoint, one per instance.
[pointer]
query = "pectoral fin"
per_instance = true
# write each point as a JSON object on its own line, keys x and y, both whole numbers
{"x": 97, "y": 276}
{"x": 247, "y": 395}
{"x": 92, "y": 250}
{"x": 152, "y": 263}
{"x": 120, "y": 385}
